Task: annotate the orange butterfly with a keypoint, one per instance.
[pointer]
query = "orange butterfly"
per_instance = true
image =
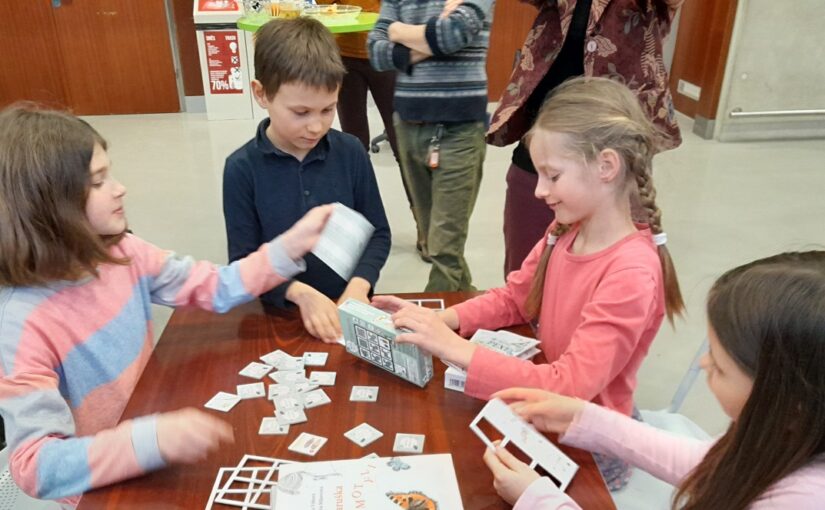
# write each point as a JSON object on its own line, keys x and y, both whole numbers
{"x": 413, "y": 500}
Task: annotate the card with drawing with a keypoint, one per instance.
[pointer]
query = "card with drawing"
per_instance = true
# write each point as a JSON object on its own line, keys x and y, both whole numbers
{"x": 408, "y": 443}
{"x": 364, "y": 394}
{"x": 253, "y": 390}
{"x": 271, "y": 427}
{"x": 322, "y": 378}
{"x": 315, "y": 359}
{"x": 363, "y": 434}
{"x": 255, "y": 370}
{"x": 222, "y": 401}
{"x": 290, "y": 416}
{"x": 315, "y": 398}
{"x": 307, "y": 444}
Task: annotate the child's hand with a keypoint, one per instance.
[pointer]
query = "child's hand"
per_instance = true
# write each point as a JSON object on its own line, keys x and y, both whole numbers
{"x": 302, "y": 236}
{"x": 549, "y": 412}
{"x": 511, "y": 477}
{"x": 319, "y": 313}
{"x": 428, "y": 331}
{"x": 358, "y": 289}
{"x": 189, "y": 435}
{"x": 449, "y": 7}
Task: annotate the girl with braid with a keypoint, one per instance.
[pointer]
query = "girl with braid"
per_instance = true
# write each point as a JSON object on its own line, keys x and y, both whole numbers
{"x": 597, "y": 286}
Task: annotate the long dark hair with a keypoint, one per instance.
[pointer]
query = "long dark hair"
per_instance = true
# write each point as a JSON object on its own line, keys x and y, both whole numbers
{"x": 769, "y": 316}
{"x": 44, "y": 183}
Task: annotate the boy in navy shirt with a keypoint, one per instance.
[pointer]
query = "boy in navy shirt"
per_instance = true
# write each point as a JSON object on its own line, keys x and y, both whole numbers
{"x": 296, "y": 162}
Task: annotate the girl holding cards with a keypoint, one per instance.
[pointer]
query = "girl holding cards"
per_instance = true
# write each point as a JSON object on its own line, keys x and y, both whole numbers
{"x": 765, "y": 366}
{"x": 598, "y": 285}
{"x": 75, "y": 322}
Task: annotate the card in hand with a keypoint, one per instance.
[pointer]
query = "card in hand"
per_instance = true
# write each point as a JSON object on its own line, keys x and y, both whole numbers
{"x": 315, "y": 359}
{"x": 271, "y": 427}
{"x": 322, "y": 378}
{"x": 308, "y": 444}
{"x": 364, "y": 394}
{"x": 253, "y": 390}
{"x": 408, "y": 443}
{"x": 315, "y": 398}
{"x": 363, "y": 434}
{"x": 222, "y": 401}
{"x": 255, "y": 370}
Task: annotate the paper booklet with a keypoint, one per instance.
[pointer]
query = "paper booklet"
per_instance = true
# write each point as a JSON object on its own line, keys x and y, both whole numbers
{"x": 343, "y": 240}
{"x": 378, "y": 483}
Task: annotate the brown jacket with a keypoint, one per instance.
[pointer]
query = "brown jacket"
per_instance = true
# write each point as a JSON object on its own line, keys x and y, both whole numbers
{"x": 623, "y": 41}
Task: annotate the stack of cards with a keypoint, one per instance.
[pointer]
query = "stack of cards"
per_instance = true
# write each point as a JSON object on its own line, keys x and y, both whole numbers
{"x": 505, "y": 342}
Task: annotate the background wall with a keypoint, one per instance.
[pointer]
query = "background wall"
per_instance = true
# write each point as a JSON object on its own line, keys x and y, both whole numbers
{"x": 776, "y": 62}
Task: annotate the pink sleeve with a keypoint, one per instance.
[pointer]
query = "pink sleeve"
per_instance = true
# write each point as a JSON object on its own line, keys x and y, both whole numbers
{"x": 502, "y": 307}
{"x": 543, "y": 495}
{"x": 666, "y": 456}
{"x": 612, "y": 324}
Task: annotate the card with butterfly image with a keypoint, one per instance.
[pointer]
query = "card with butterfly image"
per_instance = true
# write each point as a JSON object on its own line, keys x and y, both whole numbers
{"x": 363, "y": 434}
{"x": 376, "y": 483}
{"x": 307, "y": 444}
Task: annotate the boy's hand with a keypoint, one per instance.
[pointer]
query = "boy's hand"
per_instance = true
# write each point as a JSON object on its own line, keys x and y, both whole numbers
{"x": 511, "y": 477}
{"x": 319, "y": 313}
{"x": 358, "y": 289}
{"x": 189, "y": 435}
{"x": 302, "y": 236}
{"x": 547, "y": 411}
{"x": 428, "y": 331}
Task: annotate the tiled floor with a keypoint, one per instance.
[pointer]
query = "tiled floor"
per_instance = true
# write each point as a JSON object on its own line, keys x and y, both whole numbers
{"x": 723, "y": 204}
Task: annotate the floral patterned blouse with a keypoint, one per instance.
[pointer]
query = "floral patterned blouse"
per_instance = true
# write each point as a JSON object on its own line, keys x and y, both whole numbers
{"x": 624, "y": 40}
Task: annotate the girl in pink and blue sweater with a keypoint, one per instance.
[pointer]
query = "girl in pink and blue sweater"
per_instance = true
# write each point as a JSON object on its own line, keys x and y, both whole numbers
{"x": 75, "y": 321}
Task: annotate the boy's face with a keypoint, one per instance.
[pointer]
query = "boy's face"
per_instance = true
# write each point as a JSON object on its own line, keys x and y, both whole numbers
{"x": 299, "y": 115}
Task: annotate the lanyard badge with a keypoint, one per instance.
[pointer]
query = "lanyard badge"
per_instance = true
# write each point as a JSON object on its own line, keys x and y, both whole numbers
{"x": 435, "y": 147}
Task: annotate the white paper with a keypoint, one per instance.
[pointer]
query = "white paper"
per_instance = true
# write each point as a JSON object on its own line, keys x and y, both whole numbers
{"x": 343, "y": 240}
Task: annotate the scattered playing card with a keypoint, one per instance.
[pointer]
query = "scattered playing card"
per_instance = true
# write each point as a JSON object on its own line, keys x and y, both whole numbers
{"x": 288, "y": 376}
{"x": 372, "y": 455}
{"x": 274, "y": 357}
{"x": 255, "y": 370}
{"x": 290, "y": 363}
{"x": 302, "y": 386}
{"x": 315, "y": 359}
{"x": 363, "y": 434}
{"x": 364, "y": 394}
{"x": 222, "y": 401}
{"x": 315, "y": 398}
{"x": 253, "y": 390}
{"x": 276, "y": 390}
{"x": 271, "y": 427}
{"x": 322, "y": 378}
{"x": 408, "y": 443}
{"x": 290, "y": 416}
{"x": 308, "y": 444}
{"x": 289, "y": 401}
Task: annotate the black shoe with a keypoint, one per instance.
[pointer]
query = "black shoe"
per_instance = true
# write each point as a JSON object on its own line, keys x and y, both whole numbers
{"x": 422, "y": 253}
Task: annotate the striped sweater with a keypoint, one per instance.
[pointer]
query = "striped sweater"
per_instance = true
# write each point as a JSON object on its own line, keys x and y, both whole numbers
{"x": 450, "y": 86}
{"x": 72, "y": 352}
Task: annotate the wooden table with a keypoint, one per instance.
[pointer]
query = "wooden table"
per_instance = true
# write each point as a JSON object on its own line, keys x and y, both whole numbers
{"x": 201, "y": 353}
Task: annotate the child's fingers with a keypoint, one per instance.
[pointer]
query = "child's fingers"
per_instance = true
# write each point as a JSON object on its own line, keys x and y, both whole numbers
{"x": 491, "y": 459}
{"x": 516, "y": 394}
{"x": 510, "y": 460}
{"x": 407, "y": 321}
{"x": 390, "y": 303}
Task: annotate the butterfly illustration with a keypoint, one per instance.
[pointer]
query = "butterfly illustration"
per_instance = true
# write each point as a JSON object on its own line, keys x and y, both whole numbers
{"x": 413, "y": 500}
{"x": 397, "y": 464}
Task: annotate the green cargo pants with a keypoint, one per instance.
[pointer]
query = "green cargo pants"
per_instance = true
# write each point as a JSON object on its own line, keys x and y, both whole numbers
{"x": 443, "y": 198}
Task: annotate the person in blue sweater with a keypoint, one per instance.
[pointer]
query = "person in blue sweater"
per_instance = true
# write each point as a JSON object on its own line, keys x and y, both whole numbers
{"x": 296, "y": 162}
{"x": 439, "y": 50}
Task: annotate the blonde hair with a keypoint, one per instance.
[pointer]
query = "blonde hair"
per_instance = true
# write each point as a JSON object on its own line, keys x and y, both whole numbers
{"x": 598, "y": 114}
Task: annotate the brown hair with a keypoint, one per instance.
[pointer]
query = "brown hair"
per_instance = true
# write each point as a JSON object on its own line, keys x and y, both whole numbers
{"x": 598, "y": 114}
{"x": 45, "y": 159}
{"x": 299, "y": 50}
{"x": 769, "y": 316}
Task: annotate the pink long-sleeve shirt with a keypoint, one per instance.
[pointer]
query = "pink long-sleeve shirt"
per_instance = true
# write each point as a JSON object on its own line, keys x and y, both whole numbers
{"x": 72, "y": 352}
{"x": 665, "y": 456}
{"x": 599, "y": 314}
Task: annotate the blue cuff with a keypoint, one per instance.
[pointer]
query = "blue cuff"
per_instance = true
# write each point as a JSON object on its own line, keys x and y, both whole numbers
{"x": 401, "y": 58}
{"x": 145, "y": 443}
{"x": 432, "y": 37}
{"x": 280, "y": 261}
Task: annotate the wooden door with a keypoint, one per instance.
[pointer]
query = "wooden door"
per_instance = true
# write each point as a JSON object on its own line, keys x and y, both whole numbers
{"x": 117, "y": 56}
{"x": 30, "y": 61}
{"x": 511, "y": 22}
